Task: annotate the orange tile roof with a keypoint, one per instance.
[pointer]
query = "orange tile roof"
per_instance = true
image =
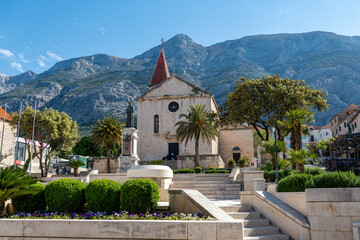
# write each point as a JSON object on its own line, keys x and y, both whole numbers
{"x": 8, "y": 118}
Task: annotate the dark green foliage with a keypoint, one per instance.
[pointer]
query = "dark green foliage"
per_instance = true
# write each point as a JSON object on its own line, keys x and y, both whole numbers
{"x": 31, "y": 202}
{"x": 157, "y": 162}
{"x": 86, "y": 147}
{"x": 65, "y": 195}
{"x": 198, "y": 169}
{"x": 334, "y": 180}
{"x": 287, "y": 172}
{"x": 222, "y": 171}
{"x": 103, "y": 195}
{"x": 183, "y": 171}
{"x": 270, "y": 176}
{"x": 293, "y": 183}
{"x": 314, "y": 170}
{"x": 231, "y": 163}
{"x": 139, "y": 195}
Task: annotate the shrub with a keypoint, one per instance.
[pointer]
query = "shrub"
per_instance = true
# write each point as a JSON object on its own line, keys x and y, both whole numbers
{"x": 314, "y": 171}
{"x": 210, "y": 170}
{"x": 157, "y": 162}
{"x": 65, "y": 195}
{"x": 287, "y": 172}
{"x": 222, "y": 171}
{"x": 243, "y": 161}
{"x": 103, "y": 195}
{"x": 231, "y": 163}
{"x": 183, "y": 171}
{"x": 139, "y": 195}
{"x": 334, "y": 180}
{"x": 31, "y": 202}
{"x": 198, "y": 169}
{"x": 270, "y": 176}
{"x": 293, "y": 183}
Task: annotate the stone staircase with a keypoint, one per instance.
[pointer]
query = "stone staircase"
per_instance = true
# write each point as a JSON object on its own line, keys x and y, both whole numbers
{"x": 213, "y": 186}
{"x": 255, "y": 227}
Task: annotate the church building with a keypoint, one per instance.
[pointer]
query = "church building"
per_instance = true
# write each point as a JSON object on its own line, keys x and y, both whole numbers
{"x": 159, "y": 109}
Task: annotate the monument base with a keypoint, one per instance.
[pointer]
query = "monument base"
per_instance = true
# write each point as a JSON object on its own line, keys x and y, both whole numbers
{"x": 126, "y": 162}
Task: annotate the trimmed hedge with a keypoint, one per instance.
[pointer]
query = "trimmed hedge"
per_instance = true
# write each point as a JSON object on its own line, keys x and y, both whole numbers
{"x": 139, "y": 195}
{"x": 157, "y": 162}
{"x": 65, "y": 195}
{"x": 293, "y": 183}
{"x": 314, "y": 170}
{"x": 183, "y": 171}
{"x": 31, "y": 202}
{"x": 334, "y": 180}
{"x": 103, "y": 195}
{"x": 198, "y": 170}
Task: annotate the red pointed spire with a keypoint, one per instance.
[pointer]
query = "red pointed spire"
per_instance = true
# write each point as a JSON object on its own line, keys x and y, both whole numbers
{"x": 161, "y": 72}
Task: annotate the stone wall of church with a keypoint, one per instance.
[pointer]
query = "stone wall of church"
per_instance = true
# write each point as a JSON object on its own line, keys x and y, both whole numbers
{"x": 153, "y": 146}
{"x": 240, "y": 137}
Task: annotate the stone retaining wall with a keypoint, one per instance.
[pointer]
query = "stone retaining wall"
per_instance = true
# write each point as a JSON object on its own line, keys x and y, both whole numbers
{"x": 32, "y": 229}
{"x": 331, "y": 212}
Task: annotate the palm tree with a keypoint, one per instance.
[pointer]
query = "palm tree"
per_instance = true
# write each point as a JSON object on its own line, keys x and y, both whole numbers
{"x": 75, "y": 164}
{"x": 107, "y": 133}
{"x": 198, "y": 123}
{"x": 13, "y": 183}
{"x": 296, "y": 121}
{"x": 269, "y": 147}
{"x": 299, "y": 157}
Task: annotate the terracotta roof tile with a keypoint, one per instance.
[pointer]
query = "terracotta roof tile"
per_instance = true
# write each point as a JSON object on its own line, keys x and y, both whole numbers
{"x": 161, "y": 72}
{"x": 8, "y": 118}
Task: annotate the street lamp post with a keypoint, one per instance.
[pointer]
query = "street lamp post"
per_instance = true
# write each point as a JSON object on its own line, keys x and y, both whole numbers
{"x": 276, "y": 165}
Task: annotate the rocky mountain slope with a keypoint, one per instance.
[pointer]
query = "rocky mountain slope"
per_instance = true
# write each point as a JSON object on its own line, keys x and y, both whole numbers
{"x": 90, "y": 87}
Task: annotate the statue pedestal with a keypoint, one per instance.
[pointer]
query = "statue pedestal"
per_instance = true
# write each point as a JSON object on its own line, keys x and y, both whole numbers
{"x": 128, "y": 157}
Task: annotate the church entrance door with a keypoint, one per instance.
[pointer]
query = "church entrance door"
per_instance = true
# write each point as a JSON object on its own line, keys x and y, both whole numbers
{"x": 173, "y": 149}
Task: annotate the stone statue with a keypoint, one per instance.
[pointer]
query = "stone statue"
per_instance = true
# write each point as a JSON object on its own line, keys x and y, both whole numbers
{"x": 130, "y": 116}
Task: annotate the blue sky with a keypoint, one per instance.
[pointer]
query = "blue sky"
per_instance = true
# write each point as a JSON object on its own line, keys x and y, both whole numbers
{"x": 35, "y": 34}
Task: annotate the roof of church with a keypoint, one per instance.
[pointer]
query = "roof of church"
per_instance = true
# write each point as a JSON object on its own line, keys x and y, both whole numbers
{"x": 161, "y": 72}
{"x": 198, "y": 89}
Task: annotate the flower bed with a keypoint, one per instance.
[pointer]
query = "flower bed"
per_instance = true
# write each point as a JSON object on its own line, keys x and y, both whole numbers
{"x": 114, "y": 216}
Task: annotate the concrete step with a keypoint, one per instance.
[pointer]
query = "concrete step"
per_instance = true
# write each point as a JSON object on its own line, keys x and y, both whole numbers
{"x": 245, "y": 215}
{"x": 218, "y": 192}
{"x": 191, "y": 181}
{"x": 256, "y": 223}
{"x": 236, "y": 189}
{"x": 241, "y": 208}
{"x": 260, "y": 231}
{"x": 223, "y": 196}
{"x": 268, "y": 237}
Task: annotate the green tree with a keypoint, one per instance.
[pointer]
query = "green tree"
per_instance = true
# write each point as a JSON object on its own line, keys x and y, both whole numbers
{"x": 13, "y": 183}
{"x": 54, "y": 131}
{"x": 198, "y": 123}
{"x": 297, "y": 122}
{"x": 263, "y": 102}
{"x": 269, "y": 147}
{"x": 75, "y": 164}
{"x": 107, "y": 133}
{"x": 298, "y": 157}
{"x": 86, "y": 147}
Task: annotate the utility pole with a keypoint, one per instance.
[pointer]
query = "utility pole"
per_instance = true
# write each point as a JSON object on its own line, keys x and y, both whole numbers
{"x": 2, "y": 135}
{"x": 32, "y": 140}
{"x": 17, "y": 137}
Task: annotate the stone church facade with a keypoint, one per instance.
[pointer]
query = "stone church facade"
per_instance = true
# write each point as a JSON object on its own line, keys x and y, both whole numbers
{"x": 159, "y": 109}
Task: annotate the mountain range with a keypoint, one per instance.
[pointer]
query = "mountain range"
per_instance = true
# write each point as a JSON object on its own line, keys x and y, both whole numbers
{"x": 90, "y": 87}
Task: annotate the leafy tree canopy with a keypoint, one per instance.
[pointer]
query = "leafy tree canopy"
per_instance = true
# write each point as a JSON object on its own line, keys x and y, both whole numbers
{"x": 54, "y": 131}
{"x": 263, "y": 102}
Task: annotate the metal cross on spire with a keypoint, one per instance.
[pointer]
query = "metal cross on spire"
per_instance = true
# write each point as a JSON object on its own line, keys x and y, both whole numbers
{"x": 162, "y": 42}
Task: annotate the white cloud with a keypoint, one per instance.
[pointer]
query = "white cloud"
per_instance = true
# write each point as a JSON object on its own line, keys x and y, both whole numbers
{"x": 54, "y": 56}
{"x": 102, "y": 30}
{"x": 22, "y": 58}
{"x": 17, "y": 66}
{"x": 41, "y": 62}
{"x": 6, "y": 53}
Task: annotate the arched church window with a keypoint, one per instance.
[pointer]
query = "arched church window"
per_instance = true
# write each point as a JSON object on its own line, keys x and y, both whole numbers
{"x": 156, "y": 123}
{"x": 236, "y": 153}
